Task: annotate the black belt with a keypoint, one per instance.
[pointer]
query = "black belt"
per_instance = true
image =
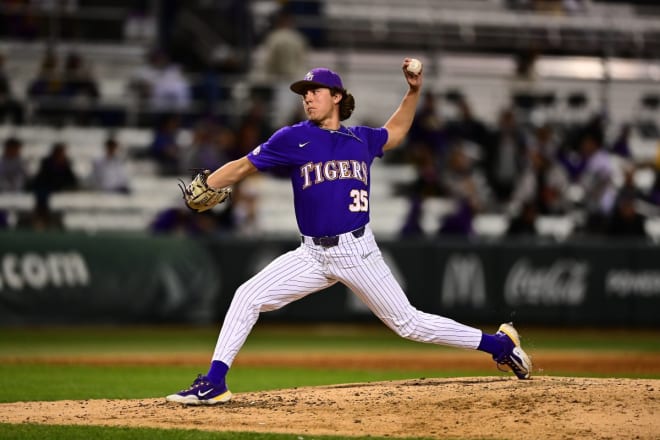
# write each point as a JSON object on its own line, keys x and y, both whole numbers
{"x": 333, "y": 240}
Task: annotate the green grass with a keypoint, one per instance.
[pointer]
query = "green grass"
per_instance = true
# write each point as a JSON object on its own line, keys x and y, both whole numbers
{"x": 94, "y": 340}
{"x": 44, "y": 341}
{"x": 51, "y": 432}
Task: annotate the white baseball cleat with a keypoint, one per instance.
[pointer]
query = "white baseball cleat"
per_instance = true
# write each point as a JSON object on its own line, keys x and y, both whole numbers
{"x": 514, "y": 357}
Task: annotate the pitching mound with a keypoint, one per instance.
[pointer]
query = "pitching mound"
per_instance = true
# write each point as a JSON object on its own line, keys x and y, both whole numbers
{"x": 484, "y": 407}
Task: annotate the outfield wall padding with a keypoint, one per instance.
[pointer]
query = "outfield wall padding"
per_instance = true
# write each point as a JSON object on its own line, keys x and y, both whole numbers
{"x": 67, "y": 278}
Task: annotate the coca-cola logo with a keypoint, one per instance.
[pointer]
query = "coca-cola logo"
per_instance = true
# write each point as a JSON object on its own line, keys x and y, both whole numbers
{"x": 564, "y": 282}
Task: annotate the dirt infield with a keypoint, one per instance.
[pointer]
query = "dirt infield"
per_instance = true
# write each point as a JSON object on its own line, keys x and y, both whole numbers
{"x": 485, "y": 407}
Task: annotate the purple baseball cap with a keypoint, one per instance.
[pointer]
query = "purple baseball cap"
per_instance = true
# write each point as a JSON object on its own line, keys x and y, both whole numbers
{"x": 316, "y": 78}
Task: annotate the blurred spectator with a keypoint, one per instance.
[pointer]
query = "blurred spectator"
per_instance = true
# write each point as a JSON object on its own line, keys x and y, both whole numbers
{"x": 79, "y": 82}
{"x": 463, "y": 179}
{"x": 426, "y": 184}
{"x": 80, "y": 90}
{"x": 570, "y": 151}
{"x": 428, "y": 127}
{"x": 428, "y": 145}
{"x": 46, "y": 91}
{"x": 466, "y": 184}
{"x": 10, "y": 108}
{"x": 159, "y": 85}
{"x": 544, "y": 139}
{"x": 544, "y": 184}
{"x": 55, "y": 173}
{"x": 506, "y": 156}
{"x": 49, "y": 82}
{"x": 164, "y": 148}
{"x": 286, "y": 51}
{"x": 465, "y": 125}
{"x": 109, "y": 172}
{"x": 597, "y": 181}
{"x": 64, "y": 95}
{"x": 13, "y": 169}
{"x": 170, "y": 90}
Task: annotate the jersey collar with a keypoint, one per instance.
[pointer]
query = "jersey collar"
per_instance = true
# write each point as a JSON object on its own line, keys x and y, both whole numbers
{"x": 342, "y": 130}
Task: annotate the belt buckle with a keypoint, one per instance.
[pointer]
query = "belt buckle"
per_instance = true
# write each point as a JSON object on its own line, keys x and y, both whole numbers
{"x": 333, "y": 240}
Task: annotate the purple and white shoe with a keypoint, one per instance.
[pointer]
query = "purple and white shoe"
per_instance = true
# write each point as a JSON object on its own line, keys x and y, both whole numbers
{"x": 201, "y": 392}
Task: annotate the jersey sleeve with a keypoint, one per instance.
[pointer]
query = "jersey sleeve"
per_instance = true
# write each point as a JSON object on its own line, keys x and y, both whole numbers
{"x": 272, "y": 154}
{"x": 376, "y": 138}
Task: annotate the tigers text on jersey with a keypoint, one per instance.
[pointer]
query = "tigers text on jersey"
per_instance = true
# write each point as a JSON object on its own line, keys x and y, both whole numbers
{"x": 329, "y": 171}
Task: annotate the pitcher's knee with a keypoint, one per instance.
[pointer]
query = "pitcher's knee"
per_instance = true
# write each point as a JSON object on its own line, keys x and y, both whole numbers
{"x": 247, "y": 299}
{"x": 256, "y": 301}
{"x": 404, "y": 328}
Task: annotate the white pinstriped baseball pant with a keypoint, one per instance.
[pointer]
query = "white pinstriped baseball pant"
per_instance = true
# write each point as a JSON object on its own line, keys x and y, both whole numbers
{"x": 355, "y": 262}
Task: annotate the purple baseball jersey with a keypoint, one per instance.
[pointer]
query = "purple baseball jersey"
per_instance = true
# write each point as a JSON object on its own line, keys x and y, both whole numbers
{"x": 329, "y": 172}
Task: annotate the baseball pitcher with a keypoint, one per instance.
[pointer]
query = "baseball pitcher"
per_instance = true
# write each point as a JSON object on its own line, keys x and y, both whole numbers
{"x": 329, "y": 167}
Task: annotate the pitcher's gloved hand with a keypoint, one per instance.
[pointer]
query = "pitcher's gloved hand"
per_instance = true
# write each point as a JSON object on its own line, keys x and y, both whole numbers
{"x": 199, "y": 196}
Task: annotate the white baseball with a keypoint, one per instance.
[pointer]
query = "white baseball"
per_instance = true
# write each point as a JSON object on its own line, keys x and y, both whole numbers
{"x": 414, "y": 66}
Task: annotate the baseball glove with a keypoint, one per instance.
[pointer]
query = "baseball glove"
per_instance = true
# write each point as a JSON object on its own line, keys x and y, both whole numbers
{"x": 199, "y": 196}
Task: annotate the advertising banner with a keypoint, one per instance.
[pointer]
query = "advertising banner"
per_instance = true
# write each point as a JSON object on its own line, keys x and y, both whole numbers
{"x": 77, "y": 278}
{"x": 547, "y": 284}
